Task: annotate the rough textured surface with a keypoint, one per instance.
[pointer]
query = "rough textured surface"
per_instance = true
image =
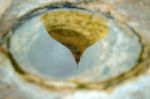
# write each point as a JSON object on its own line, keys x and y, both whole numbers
{"x": 4, "y": 4}
{"x": 132, "y": 12}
